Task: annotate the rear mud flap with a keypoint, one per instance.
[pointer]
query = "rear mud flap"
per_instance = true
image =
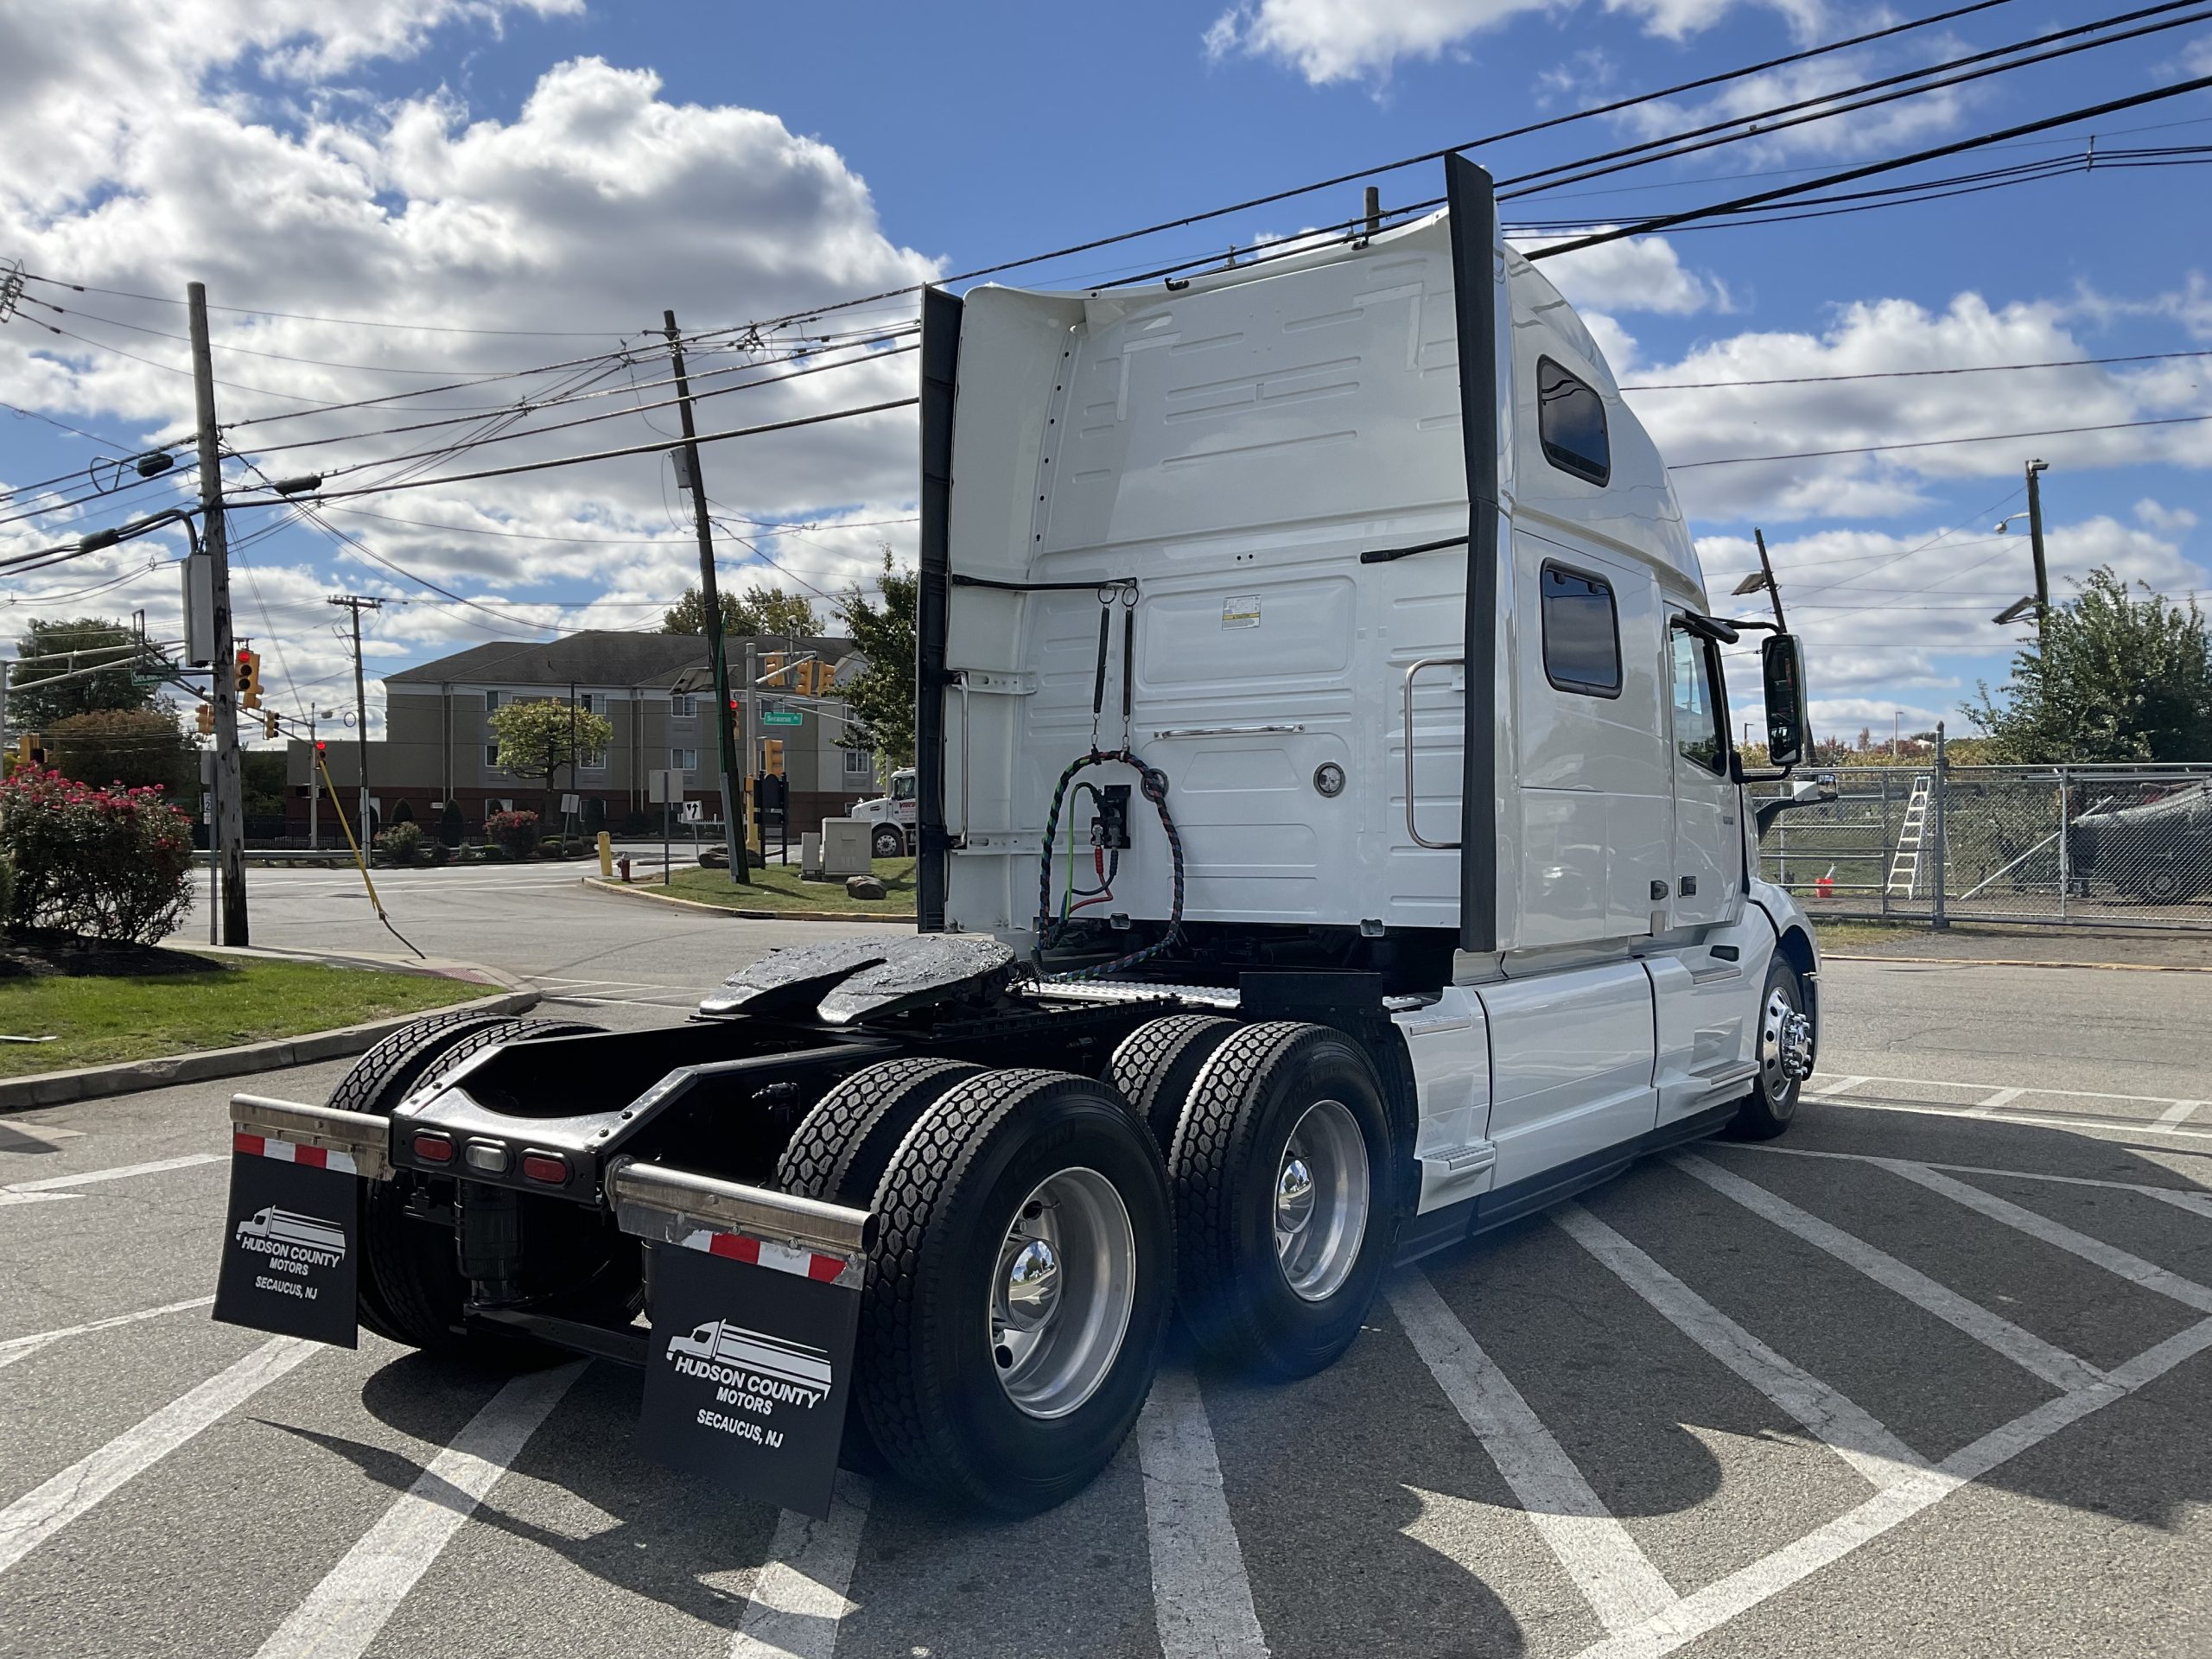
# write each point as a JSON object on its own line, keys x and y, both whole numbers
{"x": 291, "y": 1242}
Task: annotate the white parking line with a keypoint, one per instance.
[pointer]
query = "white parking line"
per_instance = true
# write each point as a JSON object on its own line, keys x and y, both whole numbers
{"x": 342, "y": 1615}
{"x": 39, "y": 1514}
{"x": 2197, "y": 1203}
{"x": 2033, "y": 1115}
{"x": 1843, "y": 1084}
{"x": 1834, "y": 1419}
{"x": 48, "y": 1133}
{"x": 1615, "y": 1576}
{"x": 2110, "y": 1257}
{"x": 2024, "y": 1349}
{"x": 46, "y": 1191}
{"x": 1726, "y": 1598}
{"x": 798, "y": 1596}
{"x": 2178, "y": 1114}
{"x": 15, "y": 1348}
{"x": 1202, "y": 1601}
{"x": 2001, "y": 1097}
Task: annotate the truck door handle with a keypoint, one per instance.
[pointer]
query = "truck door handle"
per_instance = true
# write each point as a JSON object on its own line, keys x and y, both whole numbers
{"x": 1689, "y": 887}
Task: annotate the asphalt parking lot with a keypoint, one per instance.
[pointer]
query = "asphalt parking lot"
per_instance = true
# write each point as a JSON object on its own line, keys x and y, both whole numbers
{"x": 1928, "y": 1375}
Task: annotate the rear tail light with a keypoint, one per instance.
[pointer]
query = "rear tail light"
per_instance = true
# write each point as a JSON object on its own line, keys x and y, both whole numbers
{"x": 487, "y": 1156}
{"x": 434, "y": 1148}
{"x": 548, "y": 1166}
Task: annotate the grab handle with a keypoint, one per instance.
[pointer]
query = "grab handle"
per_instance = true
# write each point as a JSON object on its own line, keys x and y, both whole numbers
{"x": 1420, "y": 839}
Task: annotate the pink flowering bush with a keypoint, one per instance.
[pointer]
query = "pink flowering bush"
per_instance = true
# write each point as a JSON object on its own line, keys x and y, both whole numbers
{"x": 515, "y": 831}
{"x": 108, "y": 863}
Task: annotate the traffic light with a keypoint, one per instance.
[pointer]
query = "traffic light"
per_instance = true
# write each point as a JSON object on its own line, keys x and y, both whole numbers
{"x": 772, "y": 664}
{"x": 771, "y": 755}
{"x": 269, "y": 722}
{"x": 30, "y": 751}
{"x": 206, "y": 720}
{"x": 249, "y": 680}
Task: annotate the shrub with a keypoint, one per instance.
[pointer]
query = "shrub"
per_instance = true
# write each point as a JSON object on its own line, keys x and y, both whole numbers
{"x": 403, "y": 843}
{"x": 112, "y": 864}
{"x": 549, "y": 847}
{"x": 436, "y": 852}
{"x": 578, "y": 849}
{"x": 516, "y": 833}
{"x": 451, "y": 829}
{"x": 7, "y": 884}
{"x": 636, "y": 823}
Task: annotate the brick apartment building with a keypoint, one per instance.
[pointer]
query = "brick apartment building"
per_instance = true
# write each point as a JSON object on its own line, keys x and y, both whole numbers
{"x": 656, "y": 689}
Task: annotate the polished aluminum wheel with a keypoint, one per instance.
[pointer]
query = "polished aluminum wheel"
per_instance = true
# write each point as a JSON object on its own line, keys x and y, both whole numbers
{"x": 1062, "y": 1292}
{"x": 1785, "y": 1046}
{"x": 1321, "y": 1200}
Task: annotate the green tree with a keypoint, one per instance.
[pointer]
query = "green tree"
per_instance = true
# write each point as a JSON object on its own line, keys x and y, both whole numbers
{"x": 882, "y": 697}
{"x": 760, "y": 609}
{"x": 32, "y": 706}
{"x": 2115, "y": 679}
{"x": 130, "y": 747}
{"x": 537, "y": 739}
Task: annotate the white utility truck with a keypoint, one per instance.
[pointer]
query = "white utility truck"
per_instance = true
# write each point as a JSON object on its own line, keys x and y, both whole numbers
{"x": 1331, "y": 845}
{"x": 891, "y": 817}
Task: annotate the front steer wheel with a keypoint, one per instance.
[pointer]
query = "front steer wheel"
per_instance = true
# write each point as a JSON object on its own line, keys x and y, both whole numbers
{"x": 889, "y": 841}
{"x": 1785, "y": 1057}
{"x": 1282, "y": 1174}
{"x": 1019, "y": 1292}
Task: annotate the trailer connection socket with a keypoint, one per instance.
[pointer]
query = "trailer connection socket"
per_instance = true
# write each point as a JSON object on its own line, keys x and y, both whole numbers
{"x": 1109, "y": 830}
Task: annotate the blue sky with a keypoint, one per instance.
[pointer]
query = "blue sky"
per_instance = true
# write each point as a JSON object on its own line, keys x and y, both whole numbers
{"x": 558, "y": 166}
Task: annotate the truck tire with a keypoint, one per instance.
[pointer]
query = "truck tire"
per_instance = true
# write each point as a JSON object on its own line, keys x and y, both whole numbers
{"x": 887, "y": 840}
{"x": 1019, "y": 1291}
{"x": 411, "y": 1291}
{"x": 1158, "y": 1062}
{"x": 1281, "y": 1170}
{"x": 843, "y": 1147}
{"x": 1766, "y": 1111}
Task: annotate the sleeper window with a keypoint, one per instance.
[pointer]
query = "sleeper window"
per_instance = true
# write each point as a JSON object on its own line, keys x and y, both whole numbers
{"x": 1582, "y": 641}
{"x": 1698, "y": 715}
{"x": 1571, "y": 422}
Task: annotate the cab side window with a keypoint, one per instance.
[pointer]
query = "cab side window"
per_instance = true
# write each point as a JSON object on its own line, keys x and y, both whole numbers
{"x": 1582, "y": 635}
{"x": 1698, "y": 709}
{"x": 1571, "y": 422}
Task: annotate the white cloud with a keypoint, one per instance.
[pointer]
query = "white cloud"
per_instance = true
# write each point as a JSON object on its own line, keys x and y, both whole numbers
{"x": 1328, "y": 41}
{"x": 1638, "y": 273}
{"x": 1813, "y": 411}
{"x": 2166, "y": 521}
{"x": 594, "y": 206}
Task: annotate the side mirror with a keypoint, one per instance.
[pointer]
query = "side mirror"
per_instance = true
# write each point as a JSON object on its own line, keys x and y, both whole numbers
{"x": 1781, "y": 661}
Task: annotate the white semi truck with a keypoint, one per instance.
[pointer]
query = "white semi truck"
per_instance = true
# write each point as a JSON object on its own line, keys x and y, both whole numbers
{"x": 1331, "y": 846}
{"x": 892, "y": 818}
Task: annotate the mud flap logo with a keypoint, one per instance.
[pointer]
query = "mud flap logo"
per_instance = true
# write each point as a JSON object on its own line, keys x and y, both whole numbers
{"x": 747, "y": 1375}
{"x": 289, "y": 1251}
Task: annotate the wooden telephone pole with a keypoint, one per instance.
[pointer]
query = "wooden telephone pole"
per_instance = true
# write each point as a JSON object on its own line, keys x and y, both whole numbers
{"x": 227, "y": 827}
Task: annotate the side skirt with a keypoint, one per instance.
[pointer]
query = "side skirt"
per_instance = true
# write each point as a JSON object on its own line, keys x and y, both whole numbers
{"x": 1442, "y": 1229}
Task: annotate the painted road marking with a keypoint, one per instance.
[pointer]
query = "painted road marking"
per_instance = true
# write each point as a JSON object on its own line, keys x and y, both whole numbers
{"x": 2196, "y": 1201}
{"x": 2028, "y": 1115}
{"x": 2177, "y": 1114}
{"x": 799, "y": 1595}
{"x": 1834, "y": 1419}
{"x": 1202, "y": 1601}
{"x": 1615, "y": 1576}
{"x": 342, "y": 1615}
{"x": 2024, "y": 1349}
{"x": 15, "y": 1348}
{"x": 1707, "y": 1609}
{"x": 2001, "y": 1097}
{"x": 39, "y": 1514}
{"x": 52, "y": 1135}
{"x": 48, "y": 1190}
{"x": 1843, "y": 1084}
{"x": 2111, "y": 1257}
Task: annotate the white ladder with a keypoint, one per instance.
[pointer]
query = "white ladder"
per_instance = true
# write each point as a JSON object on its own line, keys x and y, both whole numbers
{"x": 1904, "y": 863}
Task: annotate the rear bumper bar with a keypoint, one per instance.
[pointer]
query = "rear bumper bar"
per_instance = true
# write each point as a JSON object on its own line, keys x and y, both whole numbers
{"x": 824, "y": 1241}
{"x": 359, "y": 1138}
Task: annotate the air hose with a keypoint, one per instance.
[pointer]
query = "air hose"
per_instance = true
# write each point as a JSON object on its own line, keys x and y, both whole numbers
{"x": 1152, "y": 784}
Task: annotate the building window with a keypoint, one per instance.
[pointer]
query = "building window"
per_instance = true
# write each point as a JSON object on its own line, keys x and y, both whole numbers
{"x": 1571, "y": 422}
{"x": 683, "y": 760}
{"x": 490, "y": 702}
{"x": 592, "y": 760}
{"x": 585, "y": 701}
{"x": 680, "y": 705}
{"x": 492, "y": 756}
{"x": 1582, "y": 640}
{"x": 860, "y": 765}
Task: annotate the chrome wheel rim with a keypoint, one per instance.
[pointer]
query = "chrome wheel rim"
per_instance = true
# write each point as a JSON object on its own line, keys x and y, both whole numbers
{"x": 1785, "y": 1048}
{"x": 1062, "y": 1292}
{"x": 1320, "y": 1200}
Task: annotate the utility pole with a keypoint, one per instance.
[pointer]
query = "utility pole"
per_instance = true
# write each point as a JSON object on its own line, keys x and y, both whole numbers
{"x": 711, "y": 604}
{"x": 315, "y": 781}
{"x": 2034, "y": 543}
{"x": 228, "y": 827}
{"x": 356, "y": 604}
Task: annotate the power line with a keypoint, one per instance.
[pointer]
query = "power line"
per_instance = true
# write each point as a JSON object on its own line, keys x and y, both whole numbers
{"x": 1932, "y": 443}
{"x": 1911, "y": 374}
{"x": 352, "y": 322}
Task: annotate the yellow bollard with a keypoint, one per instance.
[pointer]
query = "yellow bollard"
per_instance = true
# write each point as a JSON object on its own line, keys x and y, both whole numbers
{"x": 606, "y": 854}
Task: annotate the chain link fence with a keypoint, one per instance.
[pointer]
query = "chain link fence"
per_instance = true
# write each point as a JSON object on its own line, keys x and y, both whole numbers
{"x": 2116, "y": 846}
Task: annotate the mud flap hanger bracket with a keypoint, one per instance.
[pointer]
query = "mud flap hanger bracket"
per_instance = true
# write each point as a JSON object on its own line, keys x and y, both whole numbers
{"x": 748, "y": 1224}
{"x": 361, "y": 1136}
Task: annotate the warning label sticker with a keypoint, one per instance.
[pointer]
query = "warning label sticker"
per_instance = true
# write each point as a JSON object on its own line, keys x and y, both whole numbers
{"x": 1240, "y": 611}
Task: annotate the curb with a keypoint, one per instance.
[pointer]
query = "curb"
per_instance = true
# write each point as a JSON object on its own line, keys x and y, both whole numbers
{"x": 129, "y": 1077}
{"x": 634, "y": 891}
{"x": 2027, "y": 962}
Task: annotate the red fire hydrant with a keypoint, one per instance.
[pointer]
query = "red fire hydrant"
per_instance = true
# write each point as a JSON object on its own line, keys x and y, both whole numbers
{"x": 623, "y": 865}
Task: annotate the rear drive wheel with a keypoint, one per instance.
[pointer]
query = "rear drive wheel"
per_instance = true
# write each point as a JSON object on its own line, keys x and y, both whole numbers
{"x": 843, "y": 1147}
{"x": 1281, "y": 1172}
{"x": 888, "y": 841}
{"x": 1785, "y": 1058}
{"x": 1019, "y": 1292}
{"x": 411, "y": 1290}
{"x": 1158, "y": 1062}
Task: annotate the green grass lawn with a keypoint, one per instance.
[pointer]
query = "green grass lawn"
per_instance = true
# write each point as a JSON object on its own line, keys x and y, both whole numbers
{"x": 101, "y": 1017}
{"x": 777, "y": 886}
